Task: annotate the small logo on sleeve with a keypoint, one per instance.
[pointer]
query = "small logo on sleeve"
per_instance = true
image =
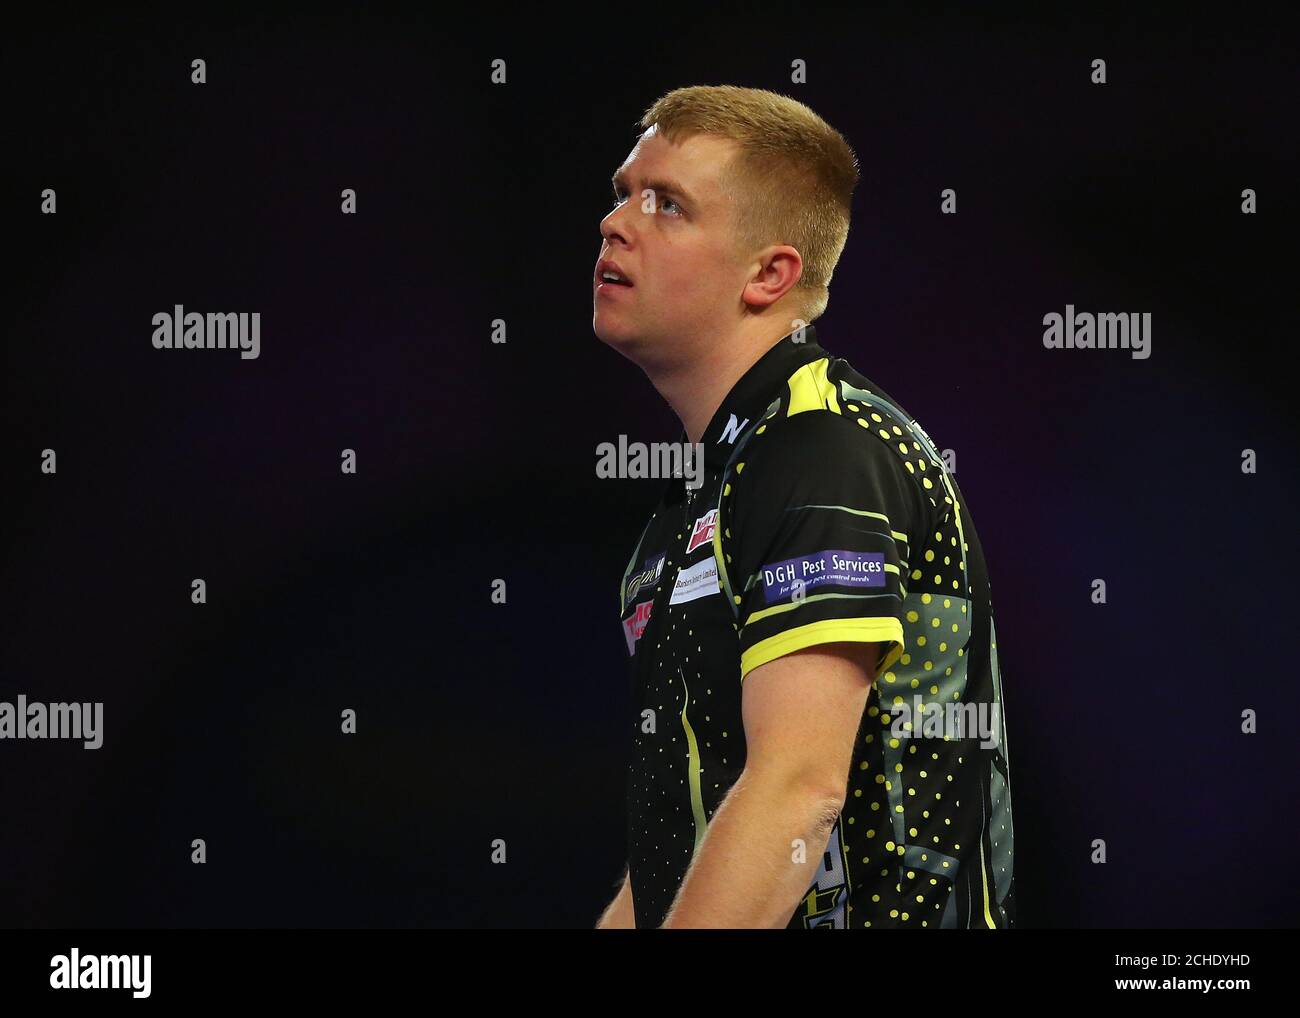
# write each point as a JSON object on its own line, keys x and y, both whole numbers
{"x": 832, "y": 569}
{"x": 702, "y": 532}
{"x": 634, "y": 625}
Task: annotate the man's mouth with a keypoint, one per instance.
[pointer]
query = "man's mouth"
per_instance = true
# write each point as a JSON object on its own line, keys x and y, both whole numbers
{"x": 610, "y": 273}
{"x": 608, "y": 289}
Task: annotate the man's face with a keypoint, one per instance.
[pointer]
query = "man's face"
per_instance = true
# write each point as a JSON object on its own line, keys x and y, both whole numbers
{"x": 678, "y": 250}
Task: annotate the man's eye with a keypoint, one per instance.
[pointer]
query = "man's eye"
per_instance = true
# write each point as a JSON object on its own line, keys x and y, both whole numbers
{"x": 620, "y": 197}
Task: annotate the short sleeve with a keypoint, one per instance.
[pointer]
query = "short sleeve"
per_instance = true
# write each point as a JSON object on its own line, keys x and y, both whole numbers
{"x": 817, "y": 517}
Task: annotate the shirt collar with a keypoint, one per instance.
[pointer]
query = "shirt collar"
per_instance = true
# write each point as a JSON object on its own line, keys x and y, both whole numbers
{"x": 754, "y": 393}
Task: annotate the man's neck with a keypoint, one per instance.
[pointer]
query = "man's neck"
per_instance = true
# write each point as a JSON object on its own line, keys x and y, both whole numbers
{"x": 696, "y": 388}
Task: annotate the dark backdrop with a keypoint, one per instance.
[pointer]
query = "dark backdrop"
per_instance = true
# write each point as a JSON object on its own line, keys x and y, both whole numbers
{"x": 476, "y": 460}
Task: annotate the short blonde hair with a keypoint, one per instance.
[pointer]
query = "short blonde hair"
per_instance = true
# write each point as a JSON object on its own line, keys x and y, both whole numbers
{"x": 791, "y": 182}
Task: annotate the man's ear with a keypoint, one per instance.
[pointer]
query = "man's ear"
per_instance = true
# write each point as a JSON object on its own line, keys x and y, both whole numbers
{"x": 779, "y": 268}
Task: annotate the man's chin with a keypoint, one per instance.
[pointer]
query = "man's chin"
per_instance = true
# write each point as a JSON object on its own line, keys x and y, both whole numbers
{"x": 625, "y": 342}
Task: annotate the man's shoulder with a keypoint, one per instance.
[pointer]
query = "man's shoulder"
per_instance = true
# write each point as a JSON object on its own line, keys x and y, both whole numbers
{"x": 829, "y": 415}
{"x": 831, "y": 435}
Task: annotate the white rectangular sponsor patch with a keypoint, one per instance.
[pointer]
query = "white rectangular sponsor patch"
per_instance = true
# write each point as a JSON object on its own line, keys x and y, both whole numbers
{"x": 700, "y": 580}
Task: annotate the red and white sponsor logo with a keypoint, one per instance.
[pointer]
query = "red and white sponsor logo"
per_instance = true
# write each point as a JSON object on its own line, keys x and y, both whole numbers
{"x": 703, "y": 531}
{"x": 634, "y": 625}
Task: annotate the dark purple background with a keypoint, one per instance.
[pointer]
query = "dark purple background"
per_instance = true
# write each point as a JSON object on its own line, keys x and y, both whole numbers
{"x": 476, "y": 461}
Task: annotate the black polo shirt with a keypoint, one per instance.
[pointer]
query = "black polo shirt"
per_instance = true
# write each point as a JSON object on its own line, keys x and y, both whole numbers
{"x": 826, "y": 515}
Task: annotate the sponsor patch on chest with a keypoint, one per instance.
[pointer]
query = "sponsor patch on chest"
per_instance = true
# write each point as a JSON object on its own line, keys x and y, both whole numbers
{"x": 649, "y": 575}
{"x": 702, "y": 532}
{"x": 700, "y": 580}
{"x": 634, "y": 625}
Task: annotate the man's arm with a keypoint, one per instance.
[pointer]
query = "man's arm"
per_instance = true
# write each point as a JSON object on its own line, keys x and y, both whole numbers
{"x": 619, "y": 915}
{"x": 801, "y": 714}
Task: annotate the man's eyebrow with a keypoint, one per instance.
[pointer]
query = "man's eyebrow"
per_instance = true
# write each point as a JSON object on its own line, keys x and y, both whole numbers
{"x": 659, "y": 186}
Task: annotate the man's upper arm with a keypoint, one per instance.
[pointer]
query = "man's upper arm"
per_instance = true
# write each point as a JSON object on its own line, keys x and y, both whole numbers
{"x": 801, "y": 713}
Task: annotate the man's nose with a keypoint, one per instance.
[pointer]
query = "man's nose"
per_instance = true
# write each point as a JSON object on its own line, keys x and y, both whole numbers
{"x": 615, "y": 225}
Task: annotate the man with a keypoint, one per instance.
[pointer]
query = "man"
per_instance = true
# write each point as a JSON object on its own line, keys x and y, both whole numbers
{"x": 807, "y": 628}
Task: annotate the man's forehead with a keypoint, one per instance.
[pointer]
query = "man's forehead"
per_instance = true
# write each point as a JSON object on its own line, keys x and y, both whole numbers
{"x": 695, "y": 163}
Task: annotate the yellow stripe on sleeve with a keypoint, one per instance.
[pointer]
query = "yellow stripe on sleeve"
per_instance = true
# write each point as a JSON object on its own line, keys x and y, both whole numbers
{"x": 878, "y": 630}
